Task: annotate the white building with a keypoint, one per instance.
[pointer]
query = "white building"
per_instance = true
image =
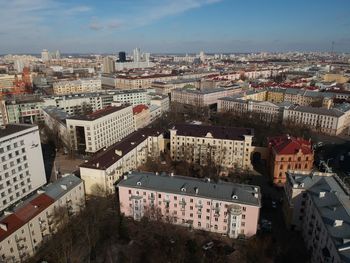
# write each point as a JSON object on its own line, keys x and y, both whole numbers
{"x": 45, "y": 55}
{"x": 227, "y": 147}
{"x": 76, "y": 86}
{"x": 332, "y": 121}
{"x": 22, "y": 166}
{"x": 101, "y": 128}
{"x": 161, "y": 101}
{"x": 106, "y": 167}
{"x": 317, "y": 204}
{"x": 30, "y": 224}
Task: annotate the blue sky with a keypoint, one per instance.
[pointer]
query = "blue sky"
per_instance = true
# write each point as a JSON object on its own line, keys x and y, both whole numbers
{"x": 103, "y": 26}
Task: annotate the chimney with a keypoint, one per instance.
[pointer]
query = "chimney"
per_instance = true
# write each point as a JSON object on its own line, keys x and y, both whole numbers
{"x": 171, "y": 174}
{"x": 3, "y": 226}
{"x": 322, "y": 194}
{"x": 196, "y": 190}
{"x": 98, "y": 165}
{"x": 63, "y": 186}
{"x": 338, "y": 223}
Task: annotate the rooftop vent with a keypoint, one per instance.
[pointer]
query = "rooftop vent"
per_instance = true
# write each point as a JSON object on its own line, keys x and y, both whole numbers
{"x": 63, "y": 186}
{"x": 138, "y": 183}
{"x": 97, "y": 165}
{"x": 3, "y": 226}
{"x": 234, "y": 197}
{"x": 118, "y": 152}
{"x": 322, "y": 194}
{"x": 171, "y": 174}
{"x": 338, "y": 223}
{"x": 196, "y": 190}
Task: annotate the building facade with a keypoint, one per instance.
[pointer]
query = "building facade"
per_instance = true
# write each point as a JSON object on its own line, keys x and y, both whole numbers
{"x": 106, "y": 167}
{"x": 226, "y": 147}
{"x": 76, "y": 86}
{"x": 288, "y": 153}
{"x": 100, "y": 129}
{"x": 317, "y": 205}
{"x": 203, "y": 97}
{"x": 223, "y": 208}
{"x": 30, "y": 224}
{"x": 142, "y": 116}
{"x": 22, "y": 166}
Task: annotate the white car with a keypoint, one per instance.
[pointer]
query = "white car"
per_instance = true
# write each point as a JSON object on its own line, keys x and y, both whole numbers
{"x": 208, "y": 245}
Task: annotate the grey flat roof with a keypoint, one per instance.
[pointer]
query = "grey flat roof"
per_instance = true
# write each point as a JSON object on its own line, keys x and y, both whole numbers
{"x": 321, "y": 111}
{"x": 56, "y": 190}
{"x": 13, "y": 128}
{"x": 173, "y": 184}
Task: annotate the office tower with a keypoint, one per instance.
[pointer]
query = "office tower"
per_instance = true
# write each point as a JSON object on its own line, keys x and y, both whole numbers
{"x": 202, "y": 56}
{"x": 58, "y": 54}
{"x": 22, "y": 166}
{"x": 19, "y": 65}
{"x": 108, "y": 65}
{"x": 146, "y": 56}
{"x": 137, "y": 55}
{"x": 45, "y": 55}
{"x": 122, "y": 56}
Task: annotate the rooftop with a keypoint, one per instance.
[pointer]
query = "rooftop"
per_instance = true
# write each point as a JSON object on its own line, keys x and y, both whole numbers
{"x": 217, "y": 132}
{"x": 34, "y": 205}
{"x": 333, "y": 205}
{"x": 286, "y": 144}
{"x": 139, "y": 108}
{"x": 14, "y": 128}
{"x": 106, "y": 158}
{"x": 99, "y": 113}
{"x": 235, "y": 193}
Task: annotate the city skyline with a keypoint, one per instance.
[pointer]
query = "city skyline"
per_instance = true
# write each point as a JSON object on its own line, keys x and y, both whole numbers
{"x": 86, "y": 26}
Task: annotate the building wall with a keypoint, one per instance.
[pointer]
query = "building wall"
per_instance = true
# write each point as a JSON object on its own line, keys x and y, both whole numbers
{"x": 281, "y": 163}
{"x": 203, "y": 150}
{"x": 77, "y": 86}
{"x": 103, "y": 131}
{"x": 198, "y": 212}
{"x": 21, "y": 167}
{"x": 142, "y": 119}
{"x": 105, "y": 178}
{"x": 26, "y": 240}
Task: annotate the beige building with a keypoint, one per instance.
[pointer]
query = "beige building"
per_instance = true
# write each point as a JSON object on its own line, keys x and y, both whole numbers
{"x": 227, "y": 147}
{"x": 105, "y": 168}
{"x": 317, "y": 204}
{"x": 332, "y": 121}
{"x": 133, "y": 82}
{"x": 100, "y": 129}
{"x": 201, "y": 98}
{"x": 76, "y": 86}
{"x": 142, "y": 116}
{"x": 24, "y": 229}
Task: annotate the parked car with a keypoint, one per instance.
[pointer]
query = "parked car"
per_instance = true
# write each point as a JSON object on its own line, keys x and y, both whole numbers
{"x": 208, "y": 245}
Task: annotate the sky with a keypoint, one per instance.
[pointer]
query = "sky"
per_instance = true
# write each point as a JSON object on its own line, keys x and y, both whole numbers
{"x": 174, "y": 26}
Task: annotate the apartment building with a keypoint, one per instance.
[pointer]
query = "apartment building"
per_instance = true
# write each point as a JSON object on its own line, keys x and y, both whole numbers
{"x": 288, "y": 153}
{"x": 30, "y": 224}
{"x": 223, "y": 208}
{"x": 201, "y": 98}
{"x": 76, "y": 86}
{"x": 227, "y": 147}
{"x": 3, "y": 113}
{"x": 142, "y": 116}
{"x": 93, "y": 132}
{"x": 165, "y": 88}
{"x": 24, "y": 109}
{"x": 160, "y": 100}
{"x": 317, "y": 204}
{"x": 22, "y": 166}
{"x": 267, "y": 110}
{"x": 106, "y": 167}
{"x": 133, "y": 81}
{"x": 332, "y": 121}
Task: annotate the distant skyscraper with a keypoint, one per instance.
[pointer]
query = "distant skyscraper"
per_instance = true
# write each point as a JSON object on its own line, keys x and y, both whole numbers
{"x": 19, "y": 65}
{"x": 137, "y": 55}
{"x": 108, "y": 65}
{"x": 202, "y": 56}
{"x": 122, "y": 56}
{"x": 58, "y": 54}
{"x": 45, "y": 55}
{"x": 146, "y": 56}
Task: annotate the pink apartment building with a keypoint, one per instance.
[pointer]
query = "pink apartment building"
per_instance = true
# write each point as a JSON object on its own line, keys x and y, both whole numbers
{"x": 224, "y": 208}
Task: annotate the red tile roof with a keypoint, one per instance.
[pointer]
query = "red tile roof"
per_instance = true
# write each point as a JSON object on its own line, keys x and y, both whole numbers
{"x": 24, "y": 214}
{"x": 139, "y": 108}
{"x": 290, "y": 145}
